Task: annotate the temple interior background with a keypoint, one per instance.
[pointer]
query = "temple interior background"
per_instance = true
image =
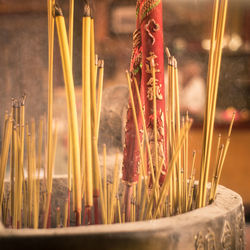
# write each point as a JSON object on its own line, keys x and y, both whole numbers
{"x": 24, "y": 56}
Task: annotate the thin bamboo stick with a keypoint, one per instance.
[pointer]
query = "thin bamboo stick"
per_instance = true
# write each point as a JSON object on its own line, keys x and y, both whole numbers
{"x": 185, "y": 169}
{"x": 129, "y": 187}
{"x": 97, "y": 177}
{"x": 220, "y": 163}
{"x": 21, "y": 179}
{"x": 176, "y": 124}
{"x": 12, "y": 163}
{"x": 4, "y": 154}
{"x": 191, "y": 179}
{"x": 83, "y": 146}
{"x": 50, "y": 81}
{"x": 65, "y": 221}
{"x": 71, "y": 28}
{"x": 138, "y": 195}
{"x": 87, "y": 113}
{"x": 165, "y": 185}
{"x": 95, "y": 161}
{"x": 29, "y": 180}
{"x": 155, "y": 186}
{"x": 145, "y": 131}
{"x": 152, "y": 65}
{"x": 221, "y": 28}
{"x": 15, "y": 153}
{"x": 35, "y": 178}
{"x": 105, "y": 180}
{"x": 70, "y": 39}
{"x": 215, "y": 167}
{"x": 208, "y": 98}
{"x": 213, "y": 77}
{"x": 102, "y": 201}
{"x": 99, "y": 94}
{"x": 119, "y": 210}
{"x": 114, "y": 189}
{"x": 216, "y": 174}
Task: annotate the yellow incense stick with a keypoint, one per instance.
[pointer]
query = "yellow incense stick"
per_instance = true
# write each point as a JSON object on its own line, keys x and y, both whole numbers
{"x": 99, "y": 94}
{"x": 70, "y": 39}
{"x": 145, "y": 131}
{"x": 211, "y": 104}
{"x": 105, "y": 178}
{"x": 30, "y": 189}
{"x": 65, "y": 221}
{"x": 12, "y": 162}
{"x": 216, "y": 79}
{"x": 114, "y": 189}
{"x": 93, "y": 76}
{"x": 34, "y": 180}
{"x": 119, "y": 210}
{"x": 4, "y": 154}
{"x": 50, "y": 81}
{"x": 145, "y": 198}
{"x": 87, "y": 125}
{"x": 15, "y": 153}
{"x": 83, "y": 145}
{"x": 136, "y": 123}
{"x": 72, "y": 114}
{"x": 71, "y": 28}
{"x": 165, "y": 185}
{"x": 152, "y": 65}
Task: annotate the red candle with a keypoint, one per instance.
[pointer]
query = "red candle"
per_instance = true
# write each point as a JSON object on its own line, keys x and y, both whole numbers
{"x": 147, "y": 45}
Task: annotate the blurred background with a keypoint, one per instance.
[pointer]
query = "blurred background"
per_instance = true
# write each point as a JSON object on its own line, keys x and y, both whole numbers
{"x": 187, "y": 23}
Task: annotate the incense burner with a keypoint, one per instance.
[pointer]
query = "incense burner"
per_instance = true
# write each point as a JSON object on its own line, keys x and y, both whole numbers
{"x": 217, "y": 226}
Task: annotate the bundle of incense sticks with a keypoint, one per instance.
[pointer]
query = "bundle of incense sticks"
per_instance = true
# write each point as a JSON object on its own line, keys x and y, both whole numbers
{"x": 158, "y": 180}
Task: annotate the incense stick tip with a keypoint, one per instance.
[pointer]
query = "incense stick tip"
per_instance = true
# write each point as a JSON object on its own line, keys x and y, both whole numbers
{"x": 96, "y": 60}
{"x": 167, "y": 52}
{"x": 86, "y": 10}
{"x": 101, "y": 64}
{"x": 57, "y": 11}
{"x": 23, "y": 99}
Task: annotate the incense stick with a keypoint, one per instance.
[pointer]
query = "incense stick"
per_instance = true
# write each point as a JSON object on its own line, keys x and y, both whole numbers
{"x": 72, "y": 115}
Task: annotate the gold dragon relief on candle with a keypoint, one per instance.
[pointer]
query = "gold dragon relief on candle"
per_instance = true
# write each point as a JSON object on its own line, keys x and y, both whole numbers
{"x": 136, "y": 56}
{"x": 160, "y": 137}
{"x": 147, "y": 7}
{"x": 150, "y": 82}
{"x": 151, "y": 27}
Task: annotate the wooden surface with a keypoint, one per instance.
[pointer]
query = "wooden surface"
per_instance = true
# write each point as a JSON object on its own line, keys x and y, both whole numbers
{"x": 236, "y": 170}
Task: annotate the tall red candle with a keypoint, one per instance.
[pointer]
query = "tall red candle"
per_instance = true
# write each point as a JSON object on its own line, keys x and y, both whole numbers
{"x": 147, "y": 44}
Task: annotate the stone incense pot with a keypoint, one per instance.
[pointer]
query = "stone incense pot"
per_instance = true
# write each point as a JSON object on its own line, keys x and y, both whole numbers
{"x": 217, "y": 226}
